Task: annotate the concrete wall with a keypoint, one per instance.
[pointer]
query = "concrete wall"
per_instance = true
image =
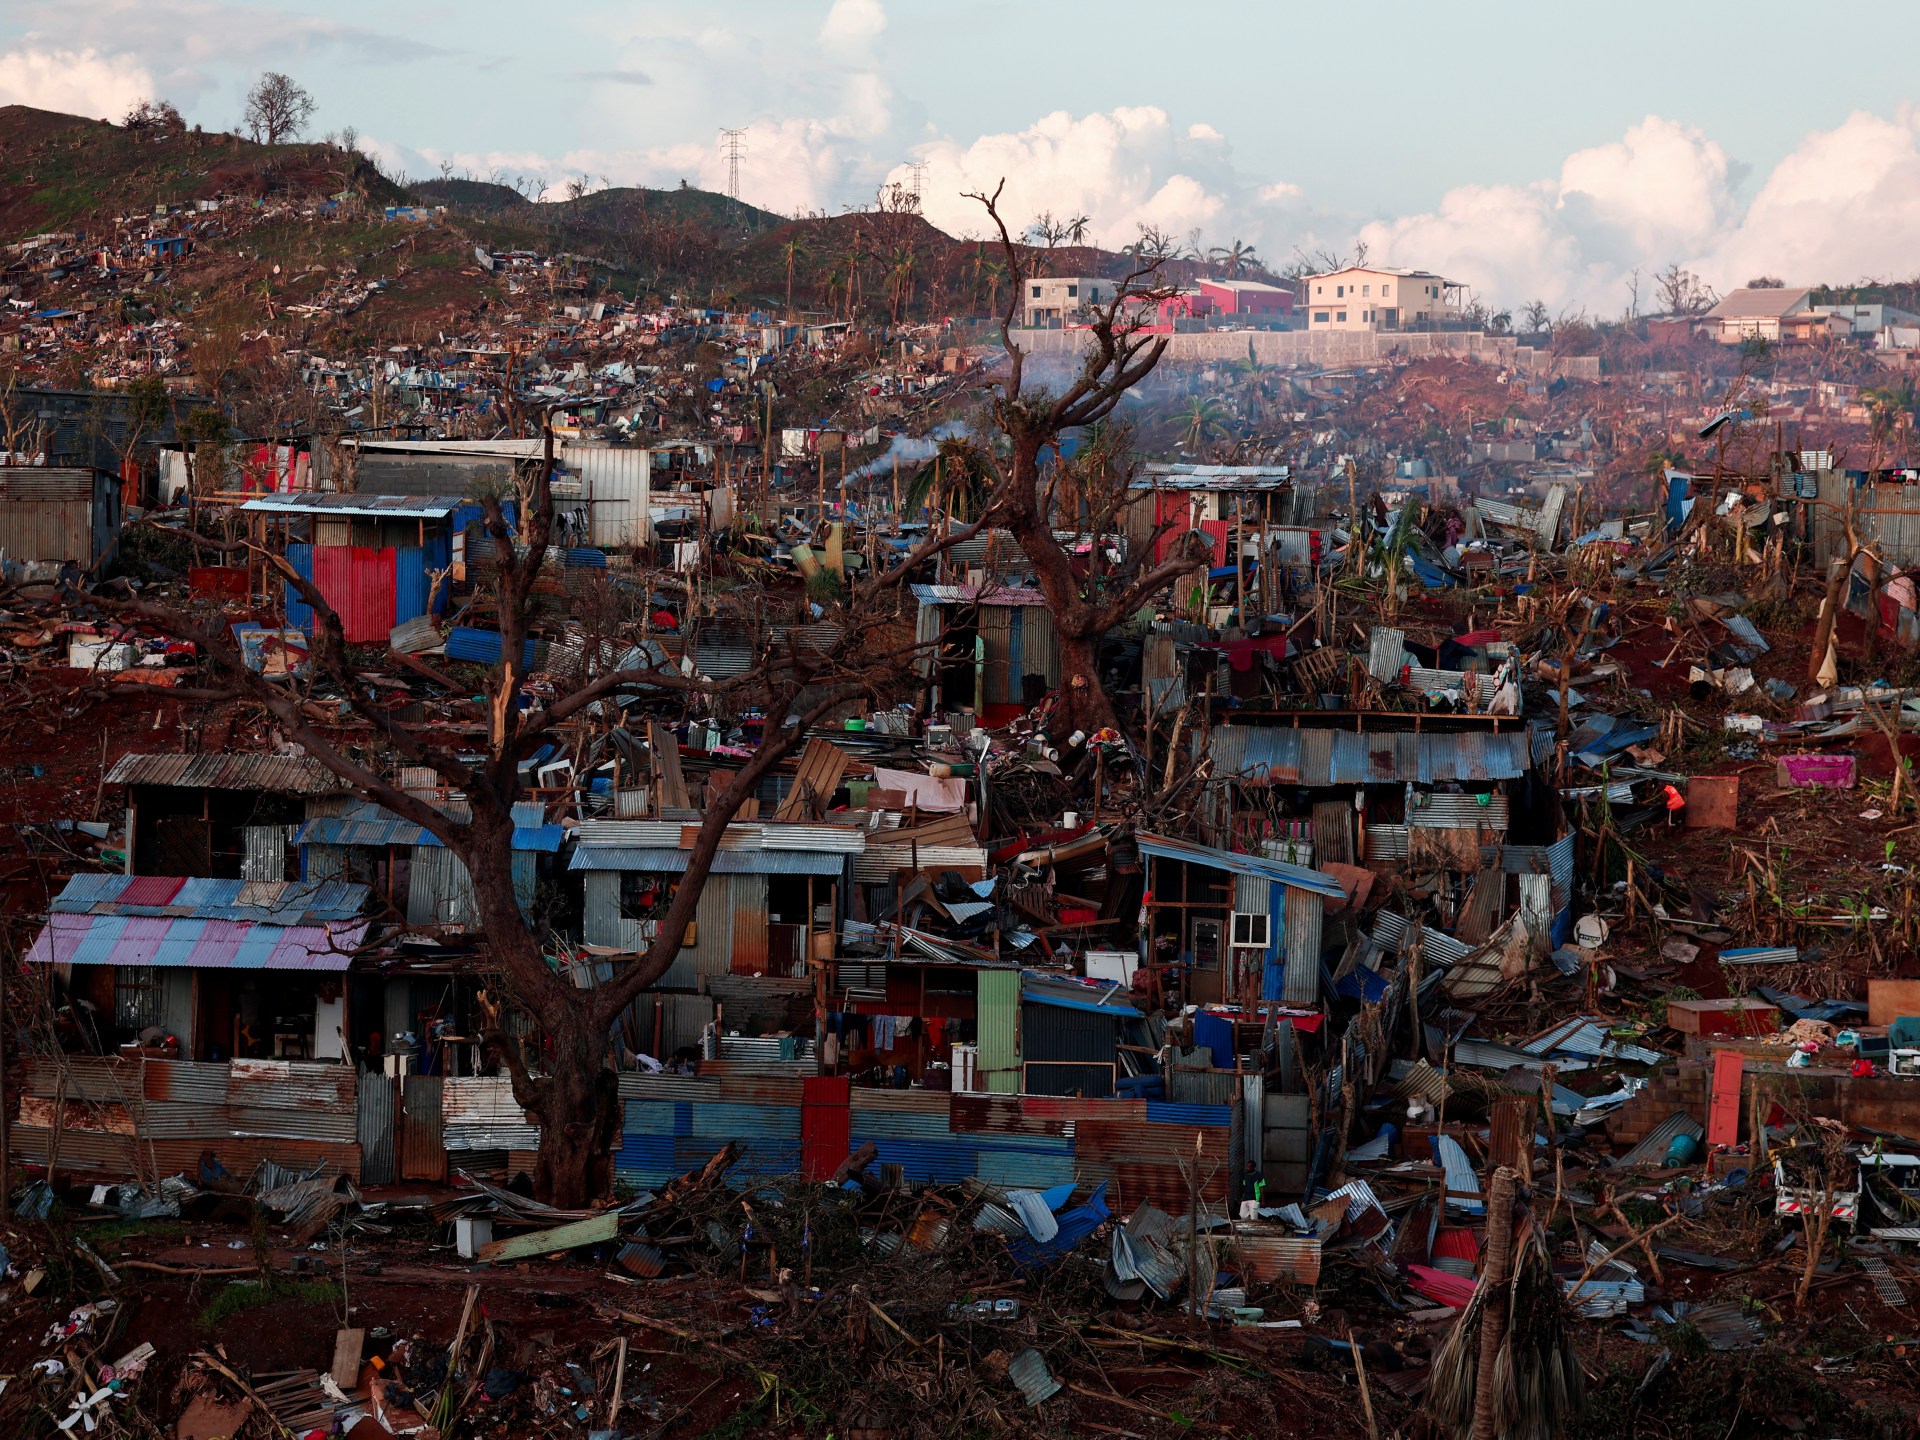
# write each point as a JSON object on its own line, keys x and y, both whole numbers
{"x": 1317, "y": 349}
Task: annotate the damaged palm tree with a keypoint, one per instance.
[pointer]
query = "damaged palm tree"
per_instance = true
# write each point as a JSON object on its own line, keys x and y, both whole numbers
{"x": 1507, "y": 1369}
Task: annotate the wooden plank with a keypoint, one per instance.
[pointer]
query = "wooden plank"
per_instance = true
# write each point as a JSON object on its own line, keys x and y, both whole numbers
{"x": 347, "y": 1348}
{"x": 594, "y": 1231}
{"x": 822, "y": 764}
{"x": 1723, "y": 1109}
{"x": 666, "y": 767}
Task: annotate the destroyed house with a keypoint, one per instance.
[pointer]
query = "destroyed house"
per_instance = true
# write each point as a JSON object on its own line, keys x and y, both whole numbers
{"x": 203, "y": 968}
{"x": 776, "y": 894}
{"x": 377, "y": 560}
{"x": 1225, "y": 926}
{"x": 1248, "y": 509}
{"x": 59, "y": 514}
{"x": 217, "y": 816}
{"x": 998, "y": 651}
{"x": 407, "y": 865}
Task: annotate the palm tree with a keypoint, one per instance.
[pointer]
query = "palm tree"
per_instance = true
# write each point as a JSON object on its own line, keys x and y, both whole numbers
{"x": 996, "y": 272}
{"x": 1253, "y": 379}
{"x": 900, "y": 278}
{"x": 1205, "y": 419}
{"x": 1235, "y": 257}
{"x": 794, "y": 249}
{"x": 1890, "y": 411}
{"x": 964, "y": 471}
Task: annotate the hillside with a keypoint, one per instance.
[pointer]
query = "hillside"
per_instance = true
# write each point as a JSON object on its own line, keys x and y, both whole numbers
{"x": 63, "y": 172}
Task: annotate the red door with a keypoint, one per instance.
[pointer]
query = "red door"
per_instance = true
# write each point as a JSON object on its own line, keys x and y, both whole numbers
{"x": 826, "y": 1124}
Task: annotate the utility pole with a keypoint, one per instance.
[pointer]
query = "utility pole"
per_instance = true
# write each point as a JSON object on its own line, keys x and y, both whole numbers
{"x": 731, "y": 149}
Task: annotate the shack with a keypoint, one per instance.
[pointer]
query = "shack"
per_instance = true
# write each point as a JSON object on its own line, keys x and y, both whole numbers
{"x": 377, "y": 560}
{"x": 55, "y": 514}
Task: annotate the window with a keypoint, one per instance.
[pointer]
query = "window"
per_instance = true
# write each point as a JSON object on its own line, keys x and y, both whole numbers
{"x": 1319, "y": 289}
{"x": 136, "y": 996}
{"x": 1341, "y": 317}
{"x": 1386, "y": 291}
{"x": 1036, "y": 292}
{"x": 1319, "y": 317}
{"x": 1338, "y": 291}
{"x": 1366, "y": 290}
{"x": 1250, "y": 931}
{"x": 1073, "y": 292}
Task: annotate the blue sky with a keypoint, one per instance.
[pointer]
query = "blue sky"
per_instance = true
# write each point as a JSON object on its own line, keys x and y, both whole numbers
{"x": 1535, "y": 149}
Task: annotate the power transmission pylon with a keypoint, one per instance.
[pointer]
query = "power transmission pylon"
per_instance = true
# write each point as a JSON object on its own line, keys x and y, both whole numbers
{"x": 918, "y": 169}
{"x": 731, "y": 149}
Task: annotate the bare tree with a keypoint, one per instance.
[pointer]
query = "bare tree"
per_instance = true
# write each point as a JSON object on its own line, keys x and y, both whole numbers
{"x": 570, "y": 1092}
{"x": 278, "y": 108}
{"x": 1536, "y": 317}
{"x": 1682, "y": 292}
{"x": 1088, "y": 599}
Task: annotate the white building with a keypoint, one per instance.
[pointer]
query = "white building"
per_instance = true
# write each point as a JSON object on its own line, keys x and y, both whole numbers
{"x": 1058, "y": 299}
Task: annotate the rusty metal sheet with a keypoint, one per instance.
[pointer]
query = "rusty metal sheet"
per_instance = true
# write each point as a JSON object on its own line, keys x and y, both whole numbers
{"x": 95, "y": 1153}
{"x": 374, "y": 1122}
{"x": 423, "y": 1151}
{"x": 1001, "y": 1115}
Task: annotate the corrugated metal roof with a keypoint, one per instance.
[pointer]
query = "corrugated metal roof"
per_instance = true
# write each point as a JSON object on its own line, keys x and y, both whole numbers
{"x": 1297, "y": 876}
{"x": 280, "y": 774}
{"x": 269, "y": 902}
{"x": 1007, "y": 595}
{"x": 1315, "y": 757}
{"x": 1160, "y": 475}
{"x": 397, "y": 507}
{"x": 725, "y": 862}
{"x": 366, "y": 823}
{"x": 201, "y": 944}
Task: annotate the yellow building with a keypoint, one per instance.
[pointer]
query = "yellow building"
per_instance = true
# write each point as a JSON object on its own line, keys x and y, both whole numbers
{"x": 1375, "y": 297}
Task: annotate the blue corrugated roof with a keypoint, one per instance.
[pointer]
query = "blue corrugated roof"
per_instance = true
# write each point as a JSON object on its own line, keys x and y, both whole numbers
{"x": 1297, "y": 876}
{"x": 366, "y": 823}
{"x": 725, "y": 862}
{"x": 278, "y": 902}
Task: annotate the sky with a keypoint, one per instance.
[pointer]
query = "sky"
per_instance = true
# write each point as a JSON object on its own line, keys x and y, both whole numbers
{"x": 1529, "y": 150}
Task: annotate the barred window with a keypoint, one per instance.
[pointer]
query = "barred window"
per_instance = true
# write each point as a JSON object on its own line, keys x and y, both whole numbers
{"x": 136, "y": 996}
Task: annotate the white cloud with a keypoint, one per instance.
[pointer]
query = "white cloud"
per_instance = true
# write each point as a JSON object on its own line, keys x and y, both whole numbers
{"x": 1120, "y": 168}
{"x": 73, "y": 82}
{"x": 853, "y": 24}
{"x": 1842, "y": 206}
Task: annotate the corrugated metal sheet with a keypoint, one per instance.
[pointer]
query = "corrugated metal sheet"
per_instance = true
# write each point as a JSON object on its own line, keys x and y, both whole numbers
{"x": 997, "y": 997}
{"x": 357, "y": 581}
{"x": 285, "y": 902}
{"x": 1652, "y": 1149}
{"x": 480, "y": 1113}
{"x": 725, "y": 862}
{"x": 1316, "y": 757}
{"x": 1305, "y": 917}
{"x": 379, "y": 1156}
{"x": 1386, "y": 842}
{"x": 423, "y": 1153}
{"x": 1442, "y": 811}
{"x": 264, "y": 852}
{"x": 1273, "y": 1258}
{"x": 275, "y": 774}
{"x": 439, "y": 890}
{"x": 1164, "y": 848}
{"x": 200, "y": 944}
{"x": 1386, "y": 653}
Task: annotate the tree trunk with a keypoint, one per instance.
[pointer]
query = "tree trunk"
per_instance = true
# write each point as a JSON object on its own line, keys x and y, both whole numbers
{"x": 1085, "y": 704}
{"x": 578, "y": 1111}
